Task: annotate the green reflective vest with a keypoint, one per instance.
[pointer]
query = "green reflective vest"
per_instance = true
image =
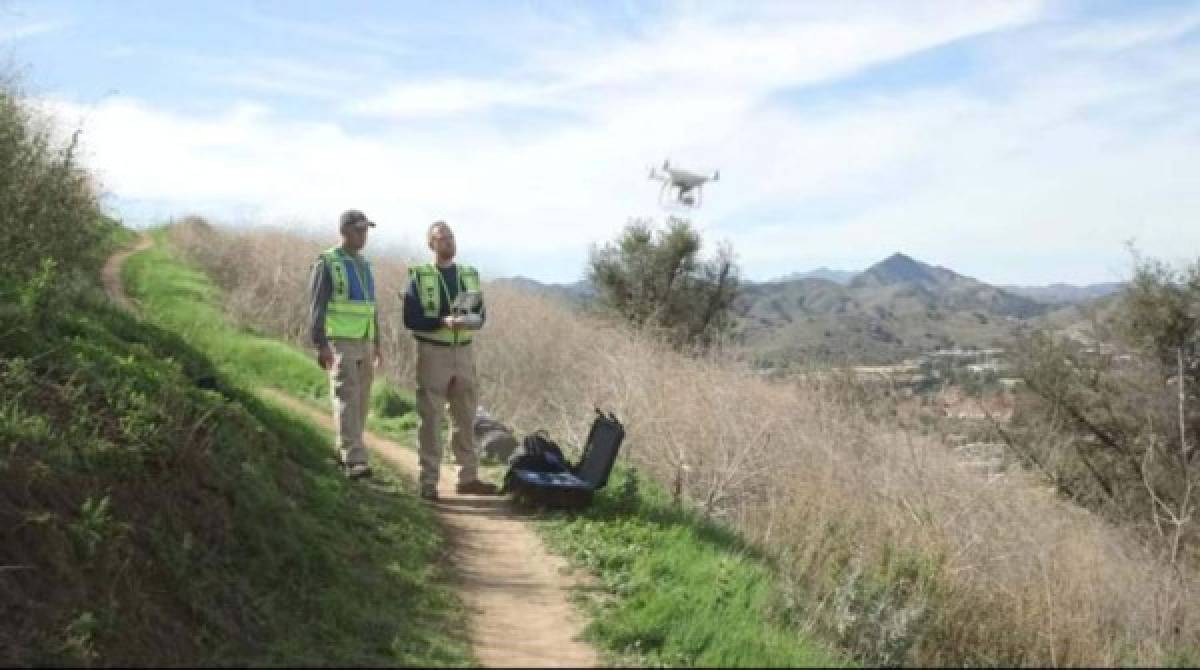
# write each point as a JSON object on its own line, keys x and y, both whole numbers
{"x": 431, "y": 291}
{"x": 351, "y": 310}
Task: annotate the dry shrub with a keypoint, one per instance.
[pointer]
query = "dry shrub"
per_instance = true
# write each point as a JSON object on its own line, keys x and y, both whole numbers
{"x": 886, "y": 540}
{"x": 264, "y": 274}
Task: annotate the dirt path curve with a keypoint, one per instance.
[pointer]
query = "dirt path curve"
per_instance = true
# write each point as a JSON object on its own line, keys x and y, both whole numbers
{"x": 111, "y": 274}
{"x": 516, "y": 592}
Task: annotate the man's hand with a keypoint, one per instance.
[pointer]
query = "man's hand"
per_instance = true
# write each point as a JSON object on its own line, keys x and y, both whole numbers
{"x": 378, "y": 357}
{"x": 325, "y": 356}
{"x": 452, "y": 322}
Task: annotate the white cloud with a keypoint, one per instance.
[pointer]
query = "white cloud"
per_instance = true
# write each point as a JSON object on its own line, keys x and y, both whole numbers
{"x": 13, "y": 33}
{"x": 1065, "y": 155}
{"x": 447, "y": 97}
{"x": 292, "y": 77}
{"x": 698, "y": 60}
{"x": 1113, "y": 36}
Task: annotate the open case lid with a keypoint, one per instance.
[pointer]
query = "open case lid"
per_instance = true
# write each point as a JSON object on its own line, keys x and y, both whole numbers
{"x": 600, "y": 452}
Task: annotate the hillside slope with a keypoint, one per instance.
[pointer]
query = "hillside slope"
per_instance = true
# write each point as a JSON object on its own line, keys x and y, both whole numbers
{"x": 674, "y": 618}
{"x": 153, "y": 513}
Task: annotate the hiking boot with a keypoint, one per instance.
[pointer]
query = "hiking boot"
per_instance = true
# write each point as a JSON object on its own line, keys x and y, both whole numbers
{"x": 477, "y": 487}
{"x": 358, "y": 470}
{"x": 429, "y": 494}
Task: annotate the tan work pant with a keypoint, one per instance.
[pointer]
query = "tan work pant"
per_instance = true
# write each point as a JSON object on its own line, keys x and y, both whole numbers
{"x": 446, "y": 374}
{"x": 350, "y": 388}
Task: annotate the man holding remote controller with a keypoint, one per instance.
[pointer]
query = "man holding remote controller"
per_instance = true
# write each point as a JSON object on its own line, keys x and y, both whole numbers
{"x": 443, "y": 307}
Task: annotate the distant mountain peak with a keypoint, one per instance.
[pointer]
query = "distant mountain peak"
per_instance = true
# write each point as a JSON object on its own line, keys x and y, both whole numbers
{"x": 898, "y": 268}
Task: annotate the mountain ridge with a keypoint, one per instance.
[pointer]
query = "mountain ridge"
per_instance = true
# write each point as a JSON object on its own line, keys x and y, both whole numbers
{"x": 896, "y": 308}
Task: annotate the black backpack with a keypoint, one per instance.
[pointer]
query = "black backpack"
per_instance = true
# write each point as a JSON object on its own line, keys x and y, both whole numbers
{"x": 539, "y": 474}
{"x": 538, "y": 453}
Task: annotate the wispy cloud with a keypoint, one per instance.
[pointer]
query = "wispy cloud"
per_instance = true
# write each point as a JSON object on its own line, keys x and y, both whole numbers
{"x": 348, "y": 34}
{"x": 1052, "y": 143}
{"x": 288, "y": 76}
{"x": 14, "y": 33}
{"x": 1116, "y": 36}
{"x": 451, "y": 96}
{"x": 696, "y": 55}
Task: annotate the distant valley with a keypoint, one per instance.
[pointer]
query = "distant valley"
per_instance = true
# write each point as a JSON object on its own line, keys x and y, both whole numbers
{"x": 1057, "y": 294}
{"x": 895, "y": 309}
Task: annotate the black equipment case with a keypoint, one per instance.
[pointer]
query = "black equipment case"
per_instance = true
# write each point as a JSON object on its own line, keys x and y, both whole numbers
{"x": 539, "y": 475}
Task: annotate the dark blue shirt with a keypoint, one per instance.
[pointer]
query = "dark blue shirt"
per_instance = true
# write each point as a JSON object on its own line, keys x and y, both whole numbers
{"x": 414, "y": 311}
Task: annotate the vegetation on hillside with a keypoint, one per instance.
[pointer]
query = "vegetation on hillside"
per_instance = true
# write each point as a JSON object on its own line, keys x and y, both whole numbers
{"x": 49, "y": 217}
{"x": 678, "y": 590}
{"x": 884, "y": 542}
{"x": 1114, "y": 417}
{"x": 742, "y": 631}
{"x": 151, "y": 511}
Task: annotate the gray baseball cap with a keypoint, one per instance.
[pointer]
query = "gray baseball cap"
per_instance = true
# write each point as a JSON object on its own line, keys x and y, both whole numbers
{"x": 354, "y": 217}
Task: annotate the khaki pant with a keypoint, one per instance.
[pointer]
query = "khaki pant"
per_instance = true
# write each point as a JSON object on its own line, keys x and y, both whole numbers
{"x": 350, "y": 388}
{"x": 446, "y": 374}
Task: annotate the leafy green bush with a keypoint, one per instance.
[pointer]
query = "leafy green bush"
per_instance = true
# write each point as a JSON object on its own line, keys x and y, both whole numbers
{"x": 48, "y": 206}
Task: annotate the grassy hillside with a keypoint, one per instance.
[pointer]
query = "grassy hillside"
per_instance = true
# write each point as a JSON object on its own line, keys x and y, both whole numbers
{"x": 184, "y": 300}
{"x": 152, "y": 511}
{"x": 150, "y": 521}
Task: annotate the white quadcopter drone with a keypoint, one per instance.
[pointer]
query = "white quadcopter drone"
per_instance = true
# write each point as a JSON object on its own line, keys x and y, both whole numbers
{"x": 685, "y": 188}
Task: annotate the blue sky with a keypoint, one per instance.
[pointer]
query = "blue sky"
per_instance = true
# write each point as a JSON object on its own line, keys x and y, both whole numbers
{"x": 1017, "y": 142}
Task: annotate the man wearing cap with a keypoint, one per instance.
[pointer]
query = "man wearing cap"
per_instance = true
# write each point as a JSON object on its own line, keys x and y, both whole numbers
{"x": 344, "y": 327}
{"x": 445, "y": 362}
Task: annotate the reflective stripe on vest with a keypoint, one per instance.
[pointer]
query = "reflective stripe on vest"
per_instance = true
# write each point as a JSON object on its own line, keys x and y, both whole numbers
{"x": 431, "y": 291}
{"x": 351, "y": 310}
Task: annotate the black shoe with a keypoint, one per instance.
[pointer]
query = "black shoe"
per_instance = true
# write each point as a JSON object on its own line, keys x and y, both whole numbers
{"x": 477, "y": 487}
{"x": 357, "y": 471}
{"x": 429, "y": 494}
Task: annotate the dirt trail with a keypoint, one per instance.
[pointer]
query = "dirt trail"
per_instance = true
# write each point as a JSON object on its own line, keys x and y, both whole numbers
{"x": 111, "y": 274}
{"x": 516, "y": 593}
{"x": 514, "y": 590}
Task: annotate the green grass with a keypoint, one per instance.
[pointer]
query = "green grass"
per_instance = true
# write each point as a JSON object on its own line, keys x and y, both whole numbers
{"x": 676, "y": 590}
{"x": 185, "y": 301}
{"x": 148, "y": 521}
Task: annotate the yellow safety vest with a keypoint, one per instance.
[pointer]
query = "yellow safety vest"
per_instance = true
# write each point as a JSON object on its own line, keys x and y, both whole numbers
{"x": 351, "y": 310}
{"x": 431, "y": 290}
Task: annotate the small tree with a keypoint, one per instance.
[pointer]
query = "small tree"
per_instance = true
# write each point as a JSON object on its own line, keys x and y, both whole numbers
{"x": 653, "y": 279}
{"x": 1113, "y": 420}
